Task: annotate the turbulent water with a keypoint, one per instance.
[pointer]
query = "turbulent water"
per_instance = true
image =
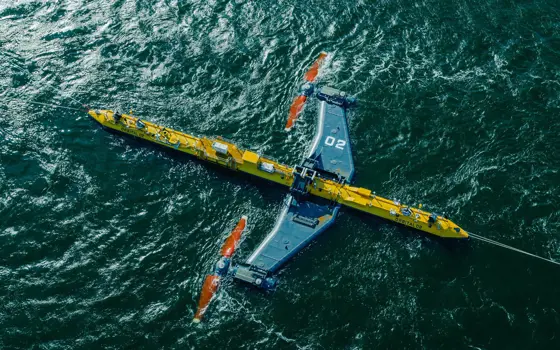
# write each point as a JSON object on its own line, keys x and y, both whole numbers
{"x": 105, "y": 241}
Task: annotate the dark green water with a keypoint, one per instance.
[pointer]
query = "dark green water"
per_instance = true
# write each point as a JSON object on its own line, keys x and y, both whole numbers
{"x": 104, "y": 241}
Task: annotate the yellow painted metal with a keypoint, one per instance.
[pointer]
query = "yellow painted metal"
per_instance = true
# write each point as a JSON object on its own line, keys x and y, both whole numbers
{"x": 212, "y": 150}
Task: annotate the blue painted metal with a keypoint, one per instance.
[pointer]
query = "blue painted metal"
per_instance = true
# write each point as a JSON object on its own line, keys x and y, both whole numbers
{"x": 222, "y": 266}
{"x": 299, "y": 222}
{"x": 255, "y": 276}
{"x": 301, "y": 219}
{"x": 331, "y": 147}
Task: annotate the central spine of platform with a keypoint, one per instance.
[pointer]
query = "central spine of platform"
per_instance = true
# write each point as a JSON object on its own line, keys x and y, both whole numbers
{"x": 323, "y": 184}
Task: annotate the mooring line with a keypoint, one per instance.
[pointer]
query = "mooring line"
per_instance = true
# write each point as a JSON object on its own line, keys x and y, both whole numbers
{"x": 41, "y": 103}
{"x": 51, "y": 85}
{"x": 488, "y": 240}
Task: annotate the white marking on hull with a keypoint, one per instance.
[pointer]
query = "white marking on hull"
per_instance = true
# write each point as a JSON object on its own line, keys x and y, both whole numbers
{"x": 319, "y": 133}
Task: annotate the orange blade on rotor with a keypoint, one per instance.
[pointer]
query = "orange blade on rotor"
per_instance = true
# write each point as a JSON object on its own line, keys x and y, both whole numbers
{"x": 295, "y": 110}
{"x": 314, "y": 70}
{"x": 231, "y": 242}
{"x": 209, "y": 288}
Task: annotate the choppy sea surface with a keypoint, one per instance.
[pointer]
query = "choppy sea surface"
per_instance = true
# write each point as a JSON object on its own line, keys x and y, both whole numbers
{"x": 105, "y": 241}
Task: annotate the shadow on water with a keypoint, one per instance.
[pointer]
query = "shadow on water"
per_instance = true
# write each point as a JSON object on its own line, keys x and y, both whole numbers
{"x": 267, "y": 189}
{"x": 462, "y": 247}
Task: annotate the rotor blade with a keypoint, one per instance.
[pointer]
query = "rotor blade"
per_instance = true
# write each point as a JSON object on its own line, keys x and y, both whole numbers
{"x": 306, "y": 90}
{"x": 295, "y": 110}
{"x": 209, "y": 288}
{"x": 314, "y": 70}
{"x": 231, "y": 242}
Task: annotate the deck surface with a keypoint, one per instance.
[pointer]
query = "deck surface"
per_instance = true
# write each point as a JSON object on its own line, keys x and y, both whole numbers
{"x": 302, "y": 220}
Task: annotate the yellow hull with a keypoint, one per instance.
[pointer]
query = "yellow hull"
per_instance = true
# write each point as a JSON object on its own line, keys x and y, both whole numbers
{"x": 226, "y": 154}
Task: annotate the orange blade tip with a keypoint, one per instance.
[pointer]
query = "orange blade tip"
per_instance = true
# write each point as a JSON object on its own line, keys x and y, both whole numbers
{"x": 231, "y": 242}
{"x": 209, "y": 288}
{"x": 313, "y": 71}
{"x": 295, "y": 110}
{"x": 196, "y": 320}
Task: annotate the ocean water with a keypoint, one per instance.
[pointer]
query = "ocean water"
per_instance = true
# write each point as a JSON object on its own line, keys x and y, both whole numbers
{"x": 105, "y": 241}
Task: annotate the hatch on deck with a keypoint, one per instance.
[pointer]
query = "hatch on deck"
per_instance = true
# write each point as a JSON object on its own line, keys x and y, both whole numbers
{"x": 250, "y": 157}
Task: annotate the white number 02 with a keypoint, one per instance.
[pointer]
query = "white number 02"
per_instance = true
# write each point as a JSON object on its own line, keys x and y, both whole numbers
{"x": 329, "y": 141}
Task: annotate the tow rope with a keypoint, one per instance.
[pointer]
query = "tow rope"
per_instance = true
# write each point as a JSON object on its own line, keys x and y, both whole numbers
{"x": 488, "y": 240}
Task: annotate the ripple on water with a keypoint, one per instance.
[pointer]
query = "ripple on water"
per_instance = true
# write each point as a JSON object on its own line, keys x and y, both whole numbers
{"x": 106, "y": 241}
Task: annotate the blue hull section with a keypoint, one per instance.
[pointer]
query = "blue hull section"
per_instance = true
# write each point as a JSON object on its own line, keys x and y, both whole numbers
{"x": 331, "y": 148}
{"x": 298, "y": 224}
{"x": 301, "y": 219}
